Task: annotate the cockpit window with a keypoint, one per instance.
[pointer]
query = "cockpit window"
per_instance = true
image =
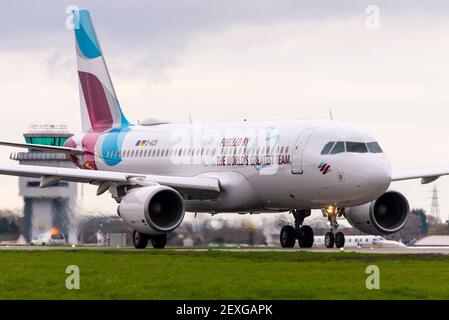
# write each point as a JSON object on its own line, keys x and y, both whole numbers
{"x": 327, "y": 147}
{"x": 374, "y": 147}
{"x": 359, "y": 147}
{"x": 338, "y": 148}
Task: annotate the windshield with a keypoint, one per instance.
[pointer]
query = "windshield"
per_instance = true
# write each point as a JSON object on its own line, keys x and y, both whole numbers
{"x": 327, "y": 147}
{"x": 374, "y": 147}
{"x": 333, "y": 147}
{"x": 338, "y": 148}
{"x": 359, "y": 147}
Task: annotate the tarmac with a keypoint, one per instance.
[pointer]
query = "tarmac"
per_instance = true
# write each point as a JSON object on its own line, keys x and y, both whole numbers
{"x": 378, "y": 250}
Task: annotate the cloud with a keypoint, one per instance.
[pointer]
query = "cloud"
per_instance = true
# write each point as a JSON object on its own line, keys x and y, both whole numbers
{"x": 152, "y": 35}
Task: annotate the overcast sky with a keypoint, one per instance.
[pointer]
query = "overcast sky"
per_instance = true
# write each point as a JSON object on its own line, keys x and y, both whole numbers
{"x": 229, "y": 60}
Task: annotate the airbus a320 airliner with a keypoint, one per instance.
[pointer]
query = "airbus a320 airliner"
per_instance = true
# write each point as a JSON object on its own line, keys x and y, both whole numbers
{"x": 157, "y": 170}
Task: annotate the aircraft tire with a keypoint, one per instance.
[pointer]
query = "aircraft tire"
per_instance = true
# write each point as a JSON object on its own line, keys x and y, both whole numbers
{"x": 159, "y": 241}
{"x": 339, "y": 240}
{"x": 305, "y": 237}
{"x": 288, "y": 237}
{"x": 140, "y": 240}
{"x": 329, "y": 240}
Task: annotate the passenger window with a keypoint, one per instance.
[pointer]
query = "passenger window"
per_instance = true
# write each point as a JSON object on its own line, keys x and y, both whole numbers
{"x": 327, "y": 147}
{"x": 286, "y": 150}
{"x": 339, "y": 147}
{"x": 358, "y": 147}
{"x": 374, "y": 147}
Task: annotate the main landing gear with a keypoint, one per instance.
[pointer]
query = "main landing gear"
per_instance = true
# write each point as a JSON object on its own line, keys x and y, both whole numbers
{"x": 331, "y": 239}
{"x": 140, "y": 240}
{"x": 304, "y": 234}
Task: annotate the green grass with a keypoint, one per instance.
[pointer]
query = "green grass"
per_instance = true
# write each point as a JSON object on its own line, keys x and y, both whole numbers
{"x": 166, "y": 274}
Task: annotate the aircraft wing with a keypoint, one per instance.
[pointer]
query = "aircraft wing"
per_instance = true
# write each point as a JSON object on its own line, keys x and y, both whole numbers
{"x": 42, "y": 147}
{"x": 426, "y": 175}
{"x": 198, "y": 186}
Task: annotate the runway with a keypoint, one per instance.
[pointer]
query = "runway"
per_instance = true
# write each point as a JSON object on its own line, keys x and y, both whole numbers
{"x": 376, "y": 250}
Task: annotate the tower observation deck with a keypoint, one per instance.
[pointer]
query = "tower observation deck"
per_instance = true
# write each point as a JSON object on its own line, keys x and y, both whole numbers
{"x": 47, "y": 211}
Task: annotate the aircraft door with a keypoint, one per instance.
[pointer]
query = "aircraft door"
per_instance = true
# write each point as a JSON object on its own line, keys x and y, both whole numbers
{"x": 298, "y": 150}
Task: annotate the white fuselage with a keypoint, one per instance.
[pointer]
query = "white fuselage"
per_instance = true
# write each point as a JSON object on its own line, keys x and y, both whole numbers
{"x": 262, "y": 166}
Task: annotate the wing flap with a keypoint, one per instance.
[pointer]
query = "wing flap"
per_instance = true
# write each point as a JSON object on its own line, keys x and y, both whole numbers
{"x": 202, "y": 187}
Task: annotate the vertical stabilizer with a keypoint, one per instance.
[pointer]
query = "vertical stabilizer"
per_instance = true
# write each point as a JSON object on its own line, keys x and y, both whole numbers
{"x": 100, "y": 109}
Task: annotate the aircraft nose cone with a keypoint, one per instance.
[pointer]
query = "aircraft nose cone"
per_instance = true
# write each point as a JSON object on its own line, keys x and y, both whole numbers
{"x": 378, "y": 176}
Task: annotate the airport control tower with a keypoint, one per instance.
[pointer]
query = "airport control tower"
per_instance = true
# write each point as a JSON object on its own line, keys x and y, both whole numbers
{"x": 47, "y": 210}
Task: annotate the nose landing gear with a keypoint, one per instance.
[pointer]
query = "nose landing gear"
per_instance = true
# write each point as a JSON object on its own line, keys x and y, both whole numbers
{"x": 304, "y": 234}
{"x": 339, "y": 238}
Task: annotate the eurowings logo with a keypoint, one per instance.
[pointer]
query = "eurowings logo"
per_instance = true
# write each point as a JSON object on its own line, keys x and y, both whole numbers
{"x": 324, "y": 167}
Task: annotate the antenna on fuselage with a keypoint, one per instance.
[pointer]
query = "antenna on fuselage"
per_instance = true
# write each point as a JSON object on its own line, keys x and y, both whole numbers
{"x": 331, "y": 115}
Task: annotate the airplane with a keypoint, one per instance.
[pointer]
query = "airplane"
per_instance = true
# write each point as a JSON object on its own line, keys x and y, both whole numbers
{"x": 362, "y": 241}
{"x": 157, "y": 170}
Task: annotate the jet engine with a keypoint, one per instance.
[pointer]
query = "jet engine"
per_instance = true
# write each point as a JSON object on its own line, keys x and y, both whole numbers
{"x": 152, "y": 210}
{"x": 387, "y": 214}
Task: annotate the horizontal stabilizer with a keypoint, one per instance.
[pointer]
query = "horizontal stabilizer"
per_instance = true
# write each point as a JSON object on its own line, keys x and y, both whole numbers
{"x": 42, "y": 147}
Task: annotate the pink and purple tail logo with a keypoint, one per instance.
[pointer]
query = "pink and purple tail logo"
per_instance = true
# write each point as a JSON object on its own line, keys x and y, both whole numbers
{"x": 324, "y": 167}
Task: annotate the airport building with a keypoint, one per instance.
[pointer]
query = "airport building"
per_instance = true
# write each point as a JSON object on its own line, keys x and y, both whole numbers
{"x": 47, "y": 211}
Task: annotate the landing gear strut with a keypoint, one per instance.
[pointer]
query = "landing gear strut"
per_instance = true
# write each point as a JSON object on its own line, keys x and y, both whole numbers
{"x": 339, "y": 238}
{"x": 304, "y": 234}
{"x": 140, "y": 240}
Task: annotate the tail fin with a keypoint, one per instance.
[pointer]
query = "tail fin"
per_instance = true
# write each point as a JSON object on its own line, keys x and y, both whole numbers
{"x": 100, "y": 109}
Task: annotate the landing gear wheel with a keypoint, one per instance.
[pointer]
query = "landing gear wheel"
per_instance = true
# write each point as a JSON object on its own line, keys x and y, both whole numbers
{"x": 288, "y": 237}
{"x": 159, "y": 241}
{"x": 305, "y": 237}
{"x": 140, "y": 240}
{"x": 329, "y": 240}
{"x": 339, "y": 240}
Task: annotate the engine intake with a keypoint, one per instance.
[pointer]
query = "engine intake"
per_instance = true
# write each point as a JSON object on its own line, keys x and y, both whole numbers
{"x": 153, "y": 209}
{"x": 388, "y": 214}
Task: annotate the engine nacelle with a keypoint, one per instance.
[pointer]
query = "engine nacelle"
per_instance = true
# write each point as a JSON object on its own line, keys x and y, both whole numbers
{"x": 386, "y": 215}
{"x": 152, "y": 210}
